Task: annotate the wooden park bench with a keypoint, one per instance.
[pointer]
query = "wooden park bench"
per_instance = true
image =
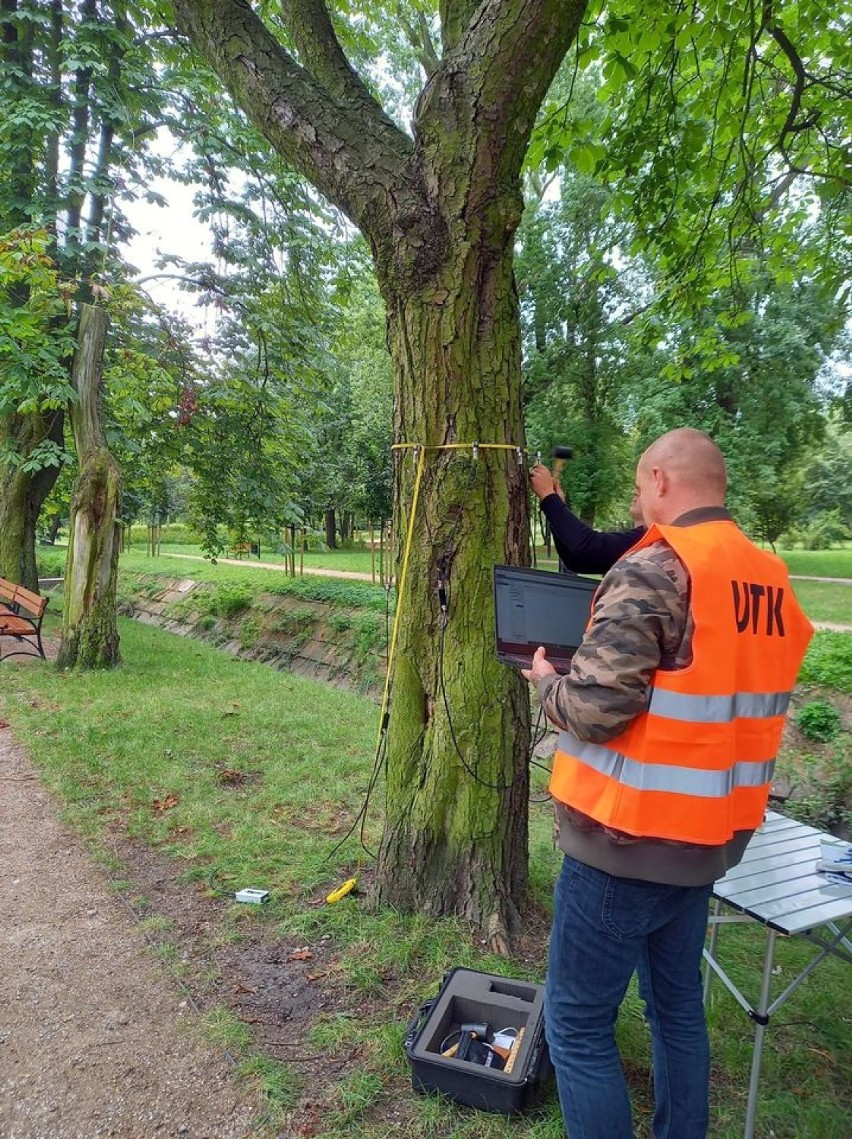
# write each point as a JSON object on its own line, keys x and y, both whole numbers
{"x": 21, "y": 615}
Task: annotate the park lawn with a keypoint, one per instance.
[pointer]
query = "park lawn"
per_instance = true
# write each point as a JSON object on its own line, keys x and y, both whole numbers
{"x": 255, "y": 579}
{"x": 819, "y": 563}
{"x": 825, "y": 600}
{"x": 350, "y": 560}
{"x": 808, "y": 563}
{"x": 244, "y": 775}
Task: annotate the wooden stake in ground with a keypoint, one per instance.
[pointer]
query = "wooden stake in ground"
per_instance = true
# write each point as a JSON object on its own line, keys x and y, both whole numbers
{"x": 89, "y": 631}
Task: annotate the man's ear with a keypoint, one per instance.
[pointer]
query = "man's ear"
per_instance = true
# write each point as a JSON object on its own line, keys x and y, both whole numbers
{"x": 661, "y": 483}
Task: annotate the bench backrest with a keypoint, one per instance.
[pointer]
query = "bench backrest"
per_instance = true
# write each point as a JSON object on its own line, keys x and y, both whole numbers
{"x": 21, "y": 596}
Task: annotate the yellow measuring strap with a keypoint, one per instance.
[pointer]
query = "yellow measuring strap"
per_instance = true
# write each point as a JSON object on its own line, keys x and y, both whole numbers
{"x": 459, "y": 447}
{"x": 400, "y": 590}
{"x": 341, "y": 891}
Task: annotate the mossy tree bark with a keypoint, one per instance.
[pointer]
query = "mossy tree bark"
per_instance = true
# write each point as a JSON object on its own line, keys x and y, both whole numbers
{"x": 89, "y": 629}
{"x": 439, "y": 210}
{"x": 22, "y": 492}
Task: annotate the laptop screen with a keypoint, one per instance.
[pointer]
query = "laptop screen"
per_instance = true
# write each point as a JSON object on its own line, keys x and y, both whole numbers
{"x": 536, "y": 607}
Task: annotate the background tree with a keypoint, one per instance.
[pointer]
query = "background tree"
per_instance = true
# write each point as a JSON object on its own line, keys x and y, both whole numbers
{"x": 78, "y": 97}
{"x": 36, "y": 346}
{"x": 361, "y": 346}
{"x": 347, "y": 471}
{"x": 579, "y": 295}
{"x": 825, "y": 513}
{"x": 746, "y": 368}
{"x": 152, "y": 373}
{"x": 89, "y": 631}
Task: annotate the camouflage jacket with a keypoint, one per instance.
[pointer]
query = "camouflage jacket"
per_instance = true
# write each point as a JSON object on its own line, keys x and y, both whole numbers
{"x": 641, "y": 623}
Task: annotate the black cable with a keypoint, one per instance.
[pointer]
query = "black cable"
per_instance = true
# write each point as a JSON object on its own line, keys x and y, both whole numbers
{"x": 443, "y": 620}
{"x": 381, "y": 748}
{"x": 378, "y": 759}
{"x": 444, "y": 604}
{"x": 462, "y": 760}
{"x": 361, "y": 817}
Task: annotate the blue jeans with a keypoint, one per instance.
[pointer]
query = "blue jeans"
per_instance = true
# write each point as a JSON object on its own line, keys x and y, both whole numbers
{"x": 604, "y": 928}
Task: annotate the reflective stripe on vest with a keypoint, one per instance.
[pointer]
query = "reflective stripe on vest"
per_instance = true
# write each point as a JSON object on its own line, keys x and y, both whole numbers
{"x": 717, "y": 709}
{"x": 668, "y": 777}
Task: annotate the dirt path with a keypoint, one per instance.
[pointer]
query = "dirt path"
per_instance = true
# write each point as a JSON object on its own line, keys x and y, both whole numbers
{"x": 96, "y": 1038}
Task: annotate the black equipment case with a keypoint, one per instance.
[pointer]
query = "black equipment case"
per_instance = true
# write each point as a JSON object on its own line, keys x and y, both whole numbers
{"x": 467, "y": 996}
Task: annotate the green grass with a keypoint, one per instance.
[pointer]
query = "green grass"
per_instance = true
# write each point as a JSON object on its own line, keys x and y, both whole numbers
{"x": 828, "y": 661}
{"x": 148, "y": 750}
{"x": 825, "y": 600}
{"x": 251, "y": 578}
{"x": 348, "y": 559}
{"x": 819, "y": 563}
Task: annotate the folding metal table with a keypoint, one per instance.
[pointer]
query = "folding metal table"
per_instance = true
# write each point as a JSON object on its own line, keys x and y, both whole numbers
{"x": 777, "y": 885}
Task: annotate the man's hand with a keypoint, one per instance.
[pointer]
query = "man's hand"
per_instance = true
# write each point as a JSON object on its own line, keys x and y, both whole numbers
{"x": 541, "y": 667}
{"x": 543, "y": 482}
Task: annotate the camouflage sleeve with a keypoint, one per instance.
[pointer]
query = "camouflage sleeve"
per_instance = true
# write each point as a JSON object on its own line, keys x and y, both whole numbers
{"x": 639, "y": 624}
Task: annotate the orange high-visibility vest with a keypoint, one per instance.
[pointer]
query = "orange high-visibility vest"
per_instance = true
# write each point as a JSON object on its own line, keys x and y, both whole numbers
{"x": 697, "y": 765}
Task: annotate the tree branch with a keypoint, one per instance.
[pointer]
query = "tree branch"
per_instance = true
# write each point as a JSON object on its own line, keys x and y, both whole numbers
{"x": 321, "y": 55}
{"x": 777, "y": 33}
{"x": 420, "y": 39}
{"x": 345, "y": 146}
{"x": 496, "y": 77}
{"x": 455, "y": 16}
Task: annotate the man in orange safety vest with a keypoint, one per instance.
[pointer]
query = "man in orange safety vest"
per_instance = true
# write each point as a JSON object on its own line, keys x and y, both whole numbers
{"x": 671, "y": 717}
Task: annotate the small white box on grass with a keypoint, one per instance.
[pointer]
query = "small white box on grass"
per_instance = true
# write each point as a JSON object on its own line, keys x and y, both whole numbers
{"x": 253, "y": 896}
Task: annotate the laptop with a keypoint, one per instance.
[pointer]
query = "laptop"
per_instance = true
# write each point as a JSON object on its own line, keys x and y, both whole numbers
{"x": 536, "y": 607}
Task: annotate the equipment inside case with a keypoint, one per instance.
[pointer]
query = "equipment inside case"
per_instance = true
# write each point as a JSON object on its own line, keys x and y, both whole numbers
{"x": 481, "y": 1042}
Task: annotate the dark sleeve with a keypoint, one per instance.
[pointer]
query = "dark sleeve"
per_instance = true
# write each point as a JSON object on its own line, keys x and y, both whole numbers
{"x": 581, "y": 548}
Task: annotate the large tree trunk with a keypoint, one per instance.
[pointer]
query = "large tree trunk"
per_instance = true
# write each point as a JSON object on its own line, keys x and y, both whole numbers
{"x": 455, "y": 837}
{"x": 22, "y": 493}
{"x": 439, "y": 210}
{"x": 89, "y": 630}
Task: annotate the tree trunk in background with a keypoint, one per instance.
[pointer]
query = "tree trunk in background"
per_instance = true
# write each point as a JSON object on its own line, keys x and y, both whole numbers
{"x": 89, "y": 630}
{"x": 22, "y": 493}
{"x": 330, "y": 530}
{"x": 53, "y": 529}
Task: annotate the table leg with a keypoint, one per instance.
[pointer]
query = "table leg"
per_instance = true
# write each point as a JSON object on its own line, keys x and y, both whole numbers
{"x": 761, "y": 1019}
{"x": 714, "y": 933}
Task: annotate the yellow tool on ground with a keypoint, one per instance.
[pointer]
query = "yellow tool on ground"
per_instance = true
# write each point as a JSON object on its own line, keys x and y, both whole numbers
{"x": 341, "y": 891}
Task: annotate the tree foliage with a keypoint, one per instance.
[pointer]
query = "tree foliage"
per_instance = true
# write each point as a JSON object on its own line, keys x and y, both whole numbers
{"x": 36, "y": 342}
{"x": 726, "y": 131}
{"x": 78, "y": 97}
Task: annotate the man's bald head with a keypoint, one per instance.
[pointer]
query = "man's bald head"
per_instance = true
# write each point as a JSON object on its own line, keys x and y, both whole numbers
{"x": 681, "y": 471}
